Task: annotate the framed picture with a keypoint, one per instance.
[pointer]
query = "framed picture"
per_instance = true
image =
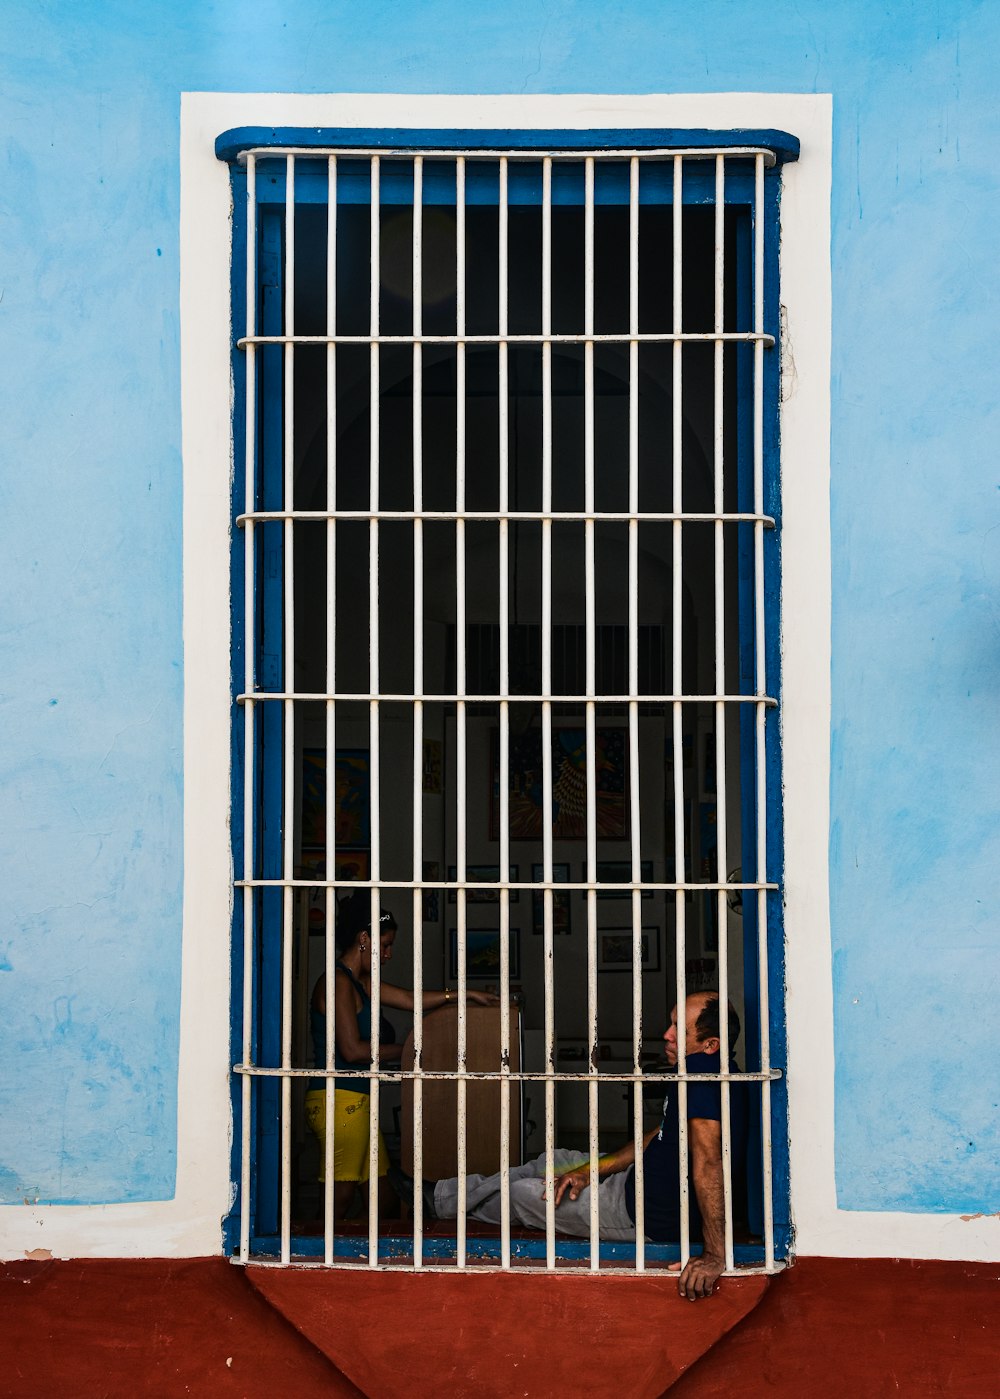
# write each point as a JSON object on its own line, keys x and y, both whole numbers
{"x": 431, "y": 911}
{"x": 708, "y": 765}
{"x": 433, "y": 781}
{"x": 561, "y": 903}
{"x": 482, "y": 874}
{"x": 352, "y": 817}
{"x": 614, "y": 949}
{"x": 569, "y": 785}
{"x": 620, "y": 872}
{"x": 708, "y": 842}
{"x": 482, "y": 954}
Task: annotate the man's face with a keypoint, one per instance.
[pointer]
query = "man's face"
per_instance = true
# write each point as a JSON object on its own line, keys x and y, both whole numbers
{"x": 692, "y": 1043}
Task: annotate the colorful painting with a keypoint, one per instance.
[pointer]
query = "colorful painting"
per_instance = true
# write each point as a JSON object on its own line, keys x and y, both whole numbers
{"x": 614, "y": 949}
{"x": 561, "y": 903}
{"x": 348, "y": 864}
{"x": 313, "y": 866}
{"x": 482, "y": 954}
{"x": 569, "y": 785}
{"x": 351, "y": 864}
{"x": 352, "y": 817}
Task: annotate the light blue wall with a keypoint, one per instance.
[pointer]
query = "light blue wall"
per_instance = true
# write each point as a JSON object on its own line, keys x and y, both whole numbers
{"x": 90, "y": 752}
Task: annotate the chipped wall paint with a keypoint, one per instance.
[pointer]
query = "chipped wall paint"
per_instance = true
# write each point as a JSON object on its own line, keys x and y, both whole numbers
{"x": 94, "y": 913}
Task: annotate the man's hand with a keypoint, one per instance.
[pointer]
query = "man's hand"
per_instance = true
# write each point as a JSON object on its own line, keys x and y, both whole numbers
{"x": 699, "y": 1277}
{"x": 574, "y": 1181}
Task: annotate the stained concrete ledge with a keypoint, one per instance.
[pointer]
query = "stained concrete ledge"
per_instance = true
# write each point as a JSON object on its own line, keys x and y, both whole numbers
{"x": 493, "y": 1335}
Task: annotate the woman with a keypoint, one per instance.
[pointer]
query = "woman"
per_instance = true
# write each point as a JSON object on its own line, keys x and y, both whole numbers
{"x": 352, "y": 1049}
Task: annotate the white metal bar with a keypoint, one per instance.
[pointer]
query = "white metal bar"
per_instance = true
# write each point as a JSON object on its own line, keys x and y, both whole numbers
{"x": 677, "y": 683}
{"x": 662, "y": 153}
{"x": 461, "y": 717}
{"x": 760, "y": 731}
{"x": 418, "y": 713}
{"x": 633, "y": 707}
{"x": 330, "y": 911}
{"x": 590, "y": 716}
{"x": 288, "y": 843}
{"x": 249, "y": 647}
{"x": 623, "y": 887}
{"x": 503, "y": 291}
{"x": 721, "y": 824}
{"x": 373, "y": 714}
{"x": 494, "y": 1075}
{"x": 598, "y": 516}
{"x": 546, "y": 600}
{"x": 262, "y": 696}
{"x": 565, "y": 338}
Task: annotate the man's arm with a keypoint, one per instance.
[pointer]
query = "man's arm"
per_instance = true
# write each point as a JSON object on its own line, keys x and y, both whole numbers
{"x": 579, "y": 1177}
{"x": 701, "y": 1274}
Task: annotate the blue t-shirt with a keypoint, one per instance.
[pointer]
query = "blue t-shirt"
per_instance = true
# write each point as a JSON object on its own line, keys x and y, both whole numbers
{"x": 661, "y": 1176}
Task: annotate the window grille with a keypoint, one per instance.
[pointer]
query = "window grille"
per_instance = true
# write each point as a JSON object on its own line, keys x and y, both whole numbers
{"x": 709, "y": 682}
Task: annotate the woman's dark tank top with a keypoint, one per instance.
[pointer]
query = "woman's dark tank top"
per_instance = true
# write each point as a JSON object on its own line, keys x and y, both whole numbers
{"x": 318, "y": 1023}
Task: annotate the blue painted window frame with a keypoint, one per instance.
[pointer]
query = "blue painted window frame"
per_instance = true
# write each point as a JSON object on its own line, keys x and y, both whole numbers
{"x": 739, "y": 191}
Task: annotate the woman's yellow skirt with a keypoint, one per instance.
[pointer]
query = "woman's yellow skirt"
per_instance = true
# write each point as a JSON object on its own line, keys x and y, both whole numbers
{"x": 351, "y": 1132}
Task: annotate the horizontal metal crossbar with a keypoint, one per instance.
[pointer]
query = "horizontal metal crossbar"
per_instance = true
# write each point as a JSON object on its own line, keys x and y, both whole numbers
{"x": 643, "y": 517}
{"x": 396, "y": 1250}
{"x": 707, "y": 337}
{"x": 503, "y": 1076}
{"x": 538, "y": 887}
{"x": 365, "y": 697}
{"x": 573, "y": 157}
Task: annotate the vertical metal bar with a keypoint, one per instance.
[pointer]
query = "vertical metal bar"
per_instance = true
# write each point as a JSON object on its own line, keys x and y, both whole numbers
{"x": 288, "y": 845}
{"x": 760, "y": 690}
{"x": 590, "y": 580}
{"x": 720, "y": 685}
{"x": 249, "y": 643}
{"x": 504, "y": 774}
{"x": 330, "y": 912}
{"x": 460, "y": 708}
{"x": 633, "y": 703}
{"x": 418, "y": 710}
{"x": 546, "y": 580}
{"x": 677, "y": 683}
{"x": 373, "y": 712}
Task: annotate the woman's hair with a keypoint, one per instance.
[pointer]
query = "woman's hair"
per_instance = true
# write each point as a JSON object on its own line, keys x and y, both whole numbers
{"x": 354, "y": 916}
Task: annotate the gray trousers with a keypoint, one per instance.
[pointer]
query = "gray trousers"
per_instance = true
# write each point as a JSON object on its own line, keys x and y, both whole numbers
{"x": 527, "y": 1208}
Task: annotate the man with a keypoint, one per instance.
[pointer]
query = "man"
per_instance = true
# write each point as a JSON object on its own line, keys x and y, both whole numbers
{"x": 616, "y": 1173}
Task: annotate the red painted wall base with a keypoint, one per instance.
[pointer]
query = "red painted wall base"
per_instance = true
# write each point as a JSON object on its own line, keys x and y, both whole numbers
{"x": 123, "y": 1328}
{"x": 862, "y": 1328}
{"x": 827, "y": 1329}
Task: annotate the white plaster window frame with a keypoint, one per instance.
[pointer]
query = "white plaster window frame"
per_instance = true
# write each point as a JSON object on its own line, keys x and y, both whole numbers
{"x": 191, "y": 1223}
